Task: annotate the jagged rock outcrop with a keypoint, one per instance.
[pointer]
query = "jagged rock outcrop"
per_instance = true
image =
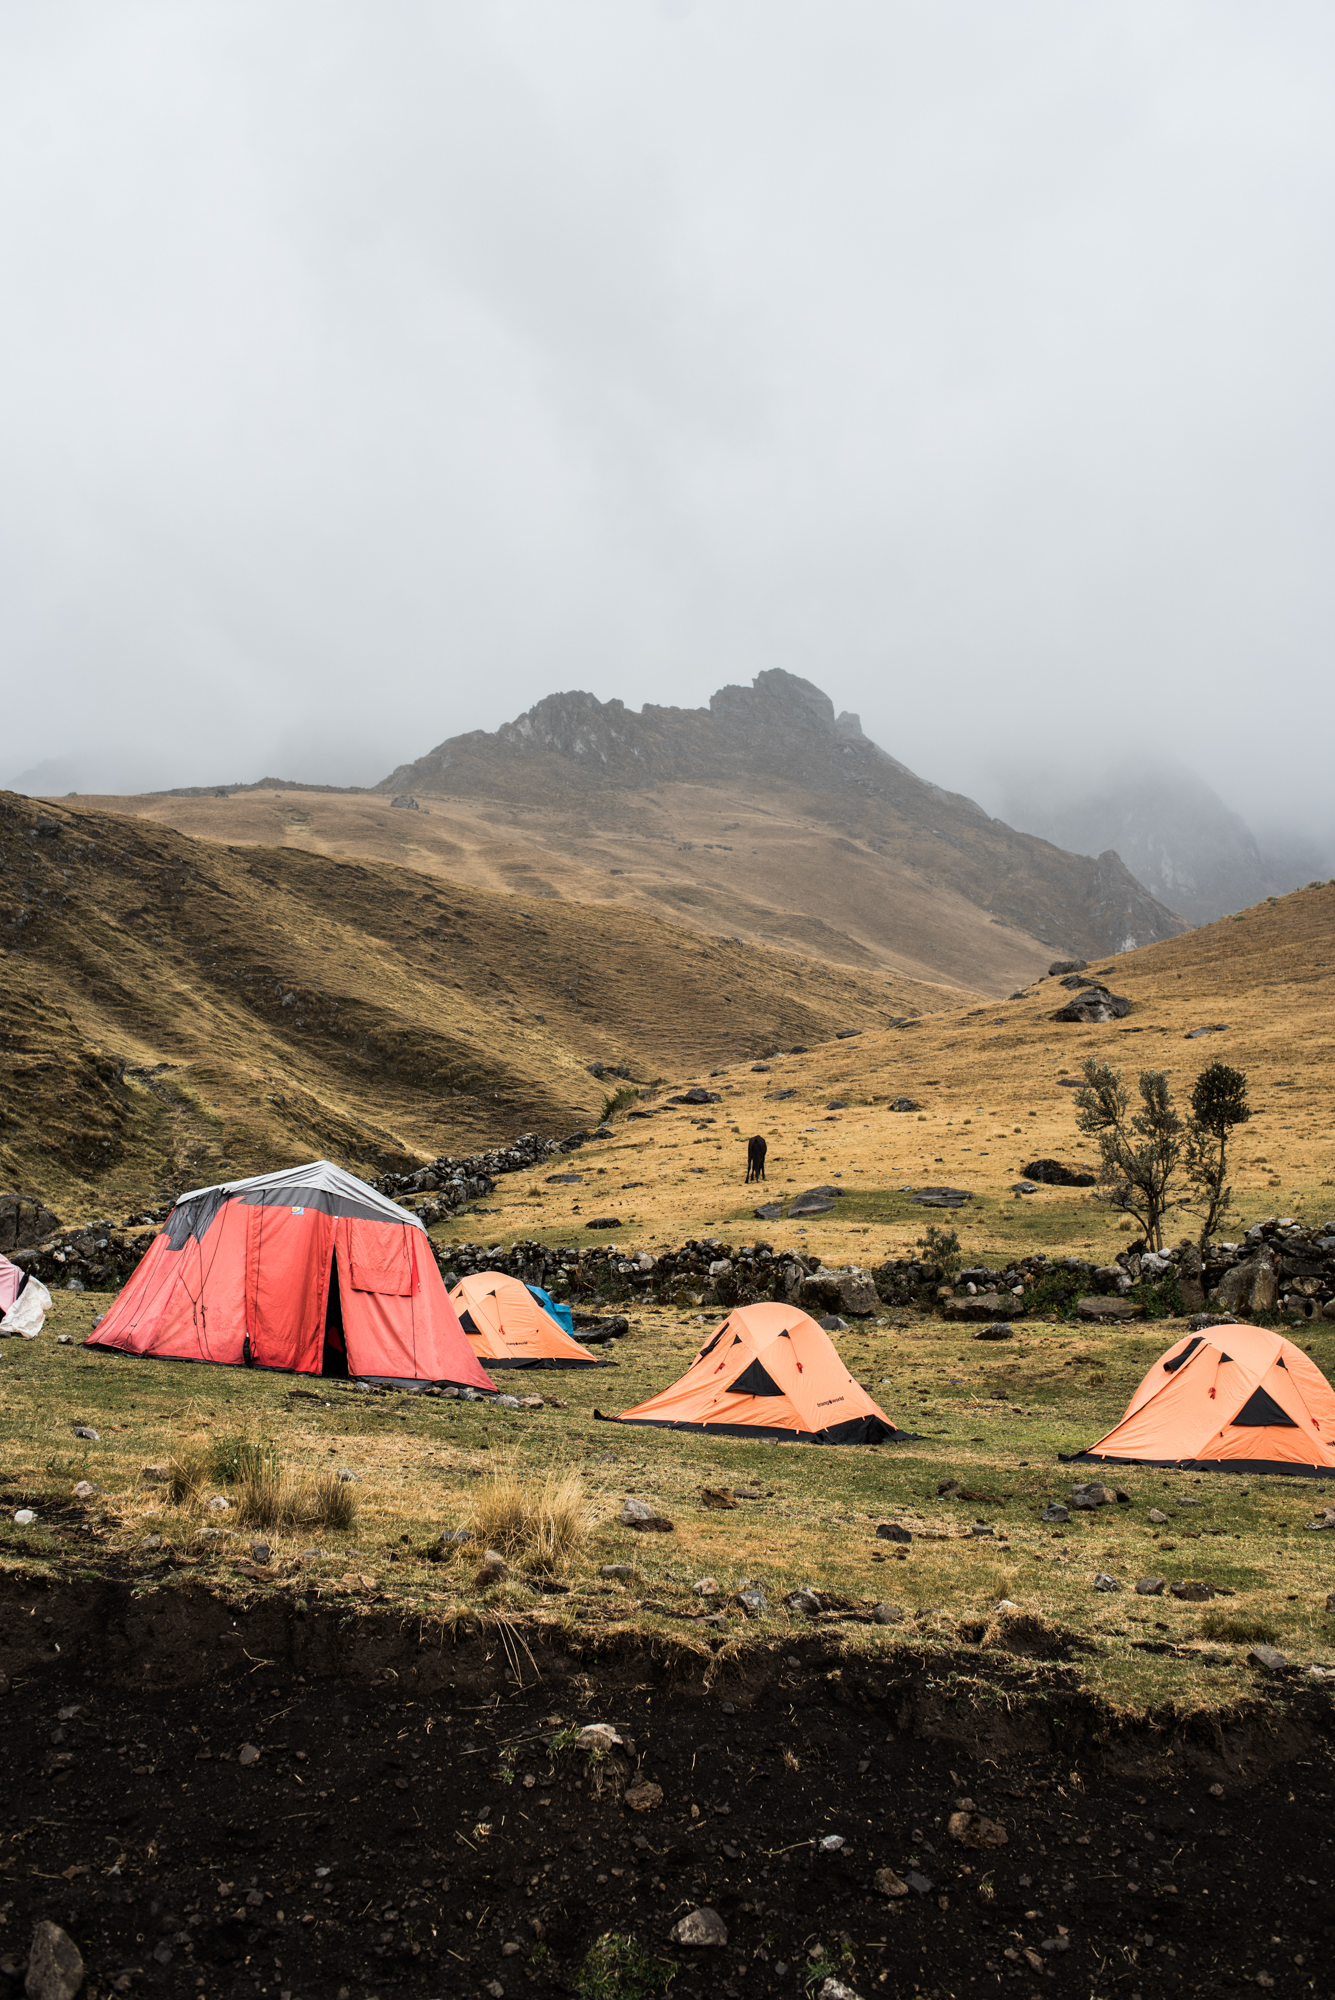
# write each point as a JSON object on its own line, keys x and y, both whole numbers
{"x": 785, "y": 729}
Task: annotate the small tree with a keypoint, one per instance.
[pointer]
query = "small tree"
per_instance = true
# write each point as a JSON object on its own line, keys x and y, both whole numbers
{"x": 1218, "y": 1103}
{"x": 1139, "y": 1153}
{"x": 941, "y": 1247}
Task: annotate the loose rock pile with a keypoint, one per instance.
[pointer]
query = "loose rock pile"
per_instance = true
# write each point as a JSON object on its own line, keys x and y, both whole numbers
{"x": 453, "y": 1180}
{"x": 1281, "y": 1265}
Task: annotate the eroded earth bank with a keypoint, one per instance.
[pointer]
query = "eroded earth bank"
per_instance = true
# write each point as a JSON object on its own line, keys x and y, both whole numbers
{"x": 285, "y": 1799}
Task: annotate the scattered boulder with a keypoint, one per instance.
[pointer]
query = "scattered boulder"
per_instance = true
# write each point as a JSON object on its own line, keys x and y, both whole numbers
{"x": 753, "y": 1601}
{"x": 1251, "y": 1287}
{"x": 495, "y": 1570}
{"x": 1094, "y": 1004}
{"x": 643, "y": 1795}
{"x": 638, "y": 1514}
{"x": 890, "y": 1531}
{"x": 85, "y": 1490}
{"x": 998, "y": 1330}
{"x": 1192, "y": 1591}
{"x": 971, "y": 1829}
{"x": 620, "y": 1571}
{"x": 703, "y": 1927}
{"x": 717, "y": 1497}
{"x": 599, "y": 1736}
{"x": 707, "y": 1586}
{"x": 839, "y": 1289}
{"x": 25, "y": 1221}
{"x": 804, "y": 1603}
{"x": 1150, "y": 1586}
{"x": 1056, "y": 1173}
{"x": 1064, "y": 965}
{"x": 1093, "y": 1495}
{"x": 604, "y": 1222}
{"x": 55, "y": 1967}
{"x": 1055, "y": 1512}
{"x": 889, "y": 1614}
{"x": 155, "y": 1475}
{"x": 940, "y": 1197}
{"x": 1105, "y": 1582}
{"x": 1268, "y": 1658}
{"x": 989, "y": 1306}
{"x": 904, "y": 1104}
{"x": 1109, "y": 1308}
{"x": 1157, "y": 1516}
{"x": 810, "y": 1204}
{"x": 887, "y": 1883}
{"x": 247, "y": 1755}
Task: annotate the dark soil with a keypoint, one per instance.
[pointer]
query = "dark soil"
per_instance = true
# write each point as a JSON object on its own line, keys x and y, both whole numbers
{"x": 418, "y": 1806}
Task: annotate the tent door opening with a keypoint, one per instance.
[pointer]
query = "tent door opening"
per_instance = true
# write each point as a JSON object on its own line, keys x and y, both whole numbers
{"x": 334, "y": 1360}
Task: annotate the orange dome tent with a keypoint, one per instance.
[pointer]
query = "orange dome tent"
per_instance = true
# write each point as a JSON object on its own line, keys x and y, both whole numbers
{"x": 769, "y": 1372}
{"x": 1229, "y": 1399}
{"x": 308, "y": 1269}
{"x": 507, "y": 1328}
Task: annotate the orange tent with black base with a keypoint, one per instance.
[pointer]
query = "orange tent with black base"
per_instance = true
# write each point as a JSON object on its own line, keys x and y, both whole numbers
{"x": 308, "y": 1270}
{"x": 769, "y": 1372}
{"x": 1228, "y": 1399}
{"x": 507, "y": 1328}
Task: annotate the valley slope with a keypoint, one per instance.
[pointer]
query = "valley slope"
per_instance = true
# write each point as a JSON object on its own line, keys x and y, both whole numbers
{"x": 765, "y": 815}
{"x": 175, "y": 1011}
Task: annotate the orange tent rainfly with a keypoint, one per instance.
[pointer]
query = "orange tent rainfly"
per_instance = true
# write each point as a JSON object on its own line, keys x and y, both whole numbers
{"x": 307, "y": 1269}
{"x": 1229, "y": 1399}
{"x": 507, "y": 1328}
{"x": 769, "y": 1372}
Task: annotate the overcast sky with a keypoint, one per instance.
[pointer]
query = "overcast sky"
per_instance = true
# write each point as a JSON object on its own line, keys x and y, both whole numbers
{"x": 370, "y": 371}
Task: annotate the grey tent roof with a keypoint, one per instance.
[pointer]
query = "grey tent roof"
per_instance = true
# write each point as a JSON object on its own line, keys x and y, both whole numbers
{"x": 319, "y": 1184}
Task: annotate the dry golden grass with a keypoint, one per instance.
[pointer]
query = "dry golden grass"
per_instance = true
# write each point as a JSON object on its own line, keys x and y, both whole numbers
{"x": 276, "y": 1006}
{"x": 840, "y": 880}
{"x": 988, "y": 1080}
{"x": 537, "y": 1520}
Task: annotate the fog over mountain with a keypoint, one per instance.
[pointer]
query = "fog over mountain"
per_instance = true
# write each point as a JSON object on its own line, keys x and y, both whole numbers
{"x": 375, "y": 373}
{"x": 1179, "y": 839}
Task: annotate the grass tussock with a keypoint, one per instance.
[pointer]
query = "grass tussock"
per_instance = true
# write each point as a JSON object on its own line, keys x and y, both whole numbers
{"x": 617, "y": 1967}
{"x": 263, "y": 1492}
{"x": 1239, "y": 1629}
{"x": 188, "y": 1471}
{"x": 537, "y": 1522}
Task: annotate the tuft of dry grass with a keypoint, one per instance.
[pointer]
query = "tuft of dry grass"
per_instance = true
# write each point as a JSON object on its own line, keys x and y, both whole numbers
{"x": 188, "y": 1470}
{"x": 1238, "y": 1628}
{"x": 333, "y": 1503}
{"x": 537, "y": 1522}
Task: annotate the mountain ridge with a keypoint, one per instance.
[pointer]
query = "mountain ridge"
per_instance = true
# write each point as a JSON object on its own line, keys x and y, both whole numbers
{"x": 785, "y": 728}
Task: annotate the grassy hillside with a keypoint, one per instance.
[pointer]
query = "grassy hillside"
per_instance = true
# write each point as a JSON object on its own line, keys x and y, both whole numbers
{"x": 173, "y": 1011}
{"x": 988, "y": 1084}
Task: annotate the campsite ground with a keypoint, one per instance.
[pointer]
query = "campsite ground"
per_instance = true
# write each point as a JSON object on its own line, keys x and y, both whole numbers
{"x": 416, "y": 1735}
{"x": 992, "y": 1417}
{"x": 1146, "y": 1701}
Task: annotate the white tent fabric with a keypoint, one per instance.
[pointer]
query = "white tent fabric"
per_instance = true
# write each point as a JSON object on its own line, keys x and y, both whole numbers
{"x": 334, "y": 1189}
{"x": 28, "y": 1311}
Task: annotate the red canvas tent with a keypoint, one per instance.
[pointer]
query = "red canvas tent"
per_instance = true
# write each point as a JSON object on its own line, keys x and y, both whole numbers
{"x": 307, "y": 1269}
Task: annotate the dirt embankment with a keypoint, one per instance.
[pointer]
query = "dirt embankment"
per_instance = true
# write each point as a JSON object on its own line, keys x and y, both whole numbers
{"x": 215, "y": 1798}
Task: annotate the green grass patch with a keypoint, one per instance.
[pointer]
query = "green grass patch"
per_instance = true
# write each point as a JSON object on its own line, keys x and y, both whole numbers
{"x": 992, "y": 1417}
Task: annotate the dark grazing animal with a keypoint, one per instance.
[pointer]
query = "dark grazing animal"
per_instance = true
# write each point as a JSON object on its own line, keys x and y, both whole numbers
{"x": 755, "y": 1159}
